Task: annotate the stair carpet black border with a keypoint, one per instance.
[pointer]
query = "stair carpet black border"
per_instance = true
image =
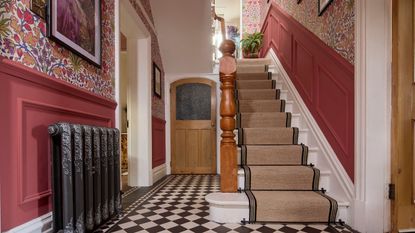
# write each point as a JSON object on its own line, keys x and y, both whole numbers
{"x": 247, "y": 171}
{"x": 244, "y": 151}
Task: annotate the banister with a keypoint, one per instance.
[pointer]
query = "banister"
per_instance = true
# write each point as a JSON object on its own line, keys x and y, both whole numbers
{"x": 220, "y": 19}
{"x": 227, "y": 73}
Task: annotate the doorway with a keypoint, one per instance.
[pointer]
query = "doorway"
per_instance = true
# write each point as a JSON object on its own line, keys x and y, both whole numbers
{"x": 132, "y": 92}
{"x": 403, "y": 127}
{"x": 193, "y": 126}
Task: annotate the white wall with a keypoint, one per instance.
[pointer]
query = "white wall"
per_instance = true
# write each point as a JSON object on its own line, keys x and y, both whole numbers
{"x": 169, "y": 79}
{"x": 184, "y": 34}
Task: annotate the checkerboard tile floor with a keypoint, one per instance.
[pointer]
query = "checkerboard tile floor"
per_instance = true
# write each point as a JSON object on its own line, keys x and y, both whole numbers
{"x": 177, "y": 204}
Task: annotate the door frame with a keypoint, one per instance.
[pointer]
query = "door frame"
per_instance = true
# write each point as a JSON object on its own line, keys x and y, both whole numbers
{"x": 140, "y": 171}
{"x": 402, "y": 117}
{"x": 214, "y": 112}
{"x": 373, "y": 53}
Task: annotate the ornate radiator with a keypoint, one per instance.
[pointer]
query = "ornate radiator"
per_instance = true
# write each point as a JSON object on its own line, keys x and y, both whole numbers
{"x": 85, "y": 176}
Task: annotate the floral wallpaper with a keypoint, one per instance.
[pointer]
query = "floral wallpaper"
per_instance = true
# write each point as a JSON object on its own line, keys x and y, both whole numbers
{"x": 335, "y": 27}
{"x": 157, "y": 103}
{"x": 23, "y": 39}
{"x": 251, "y": 16}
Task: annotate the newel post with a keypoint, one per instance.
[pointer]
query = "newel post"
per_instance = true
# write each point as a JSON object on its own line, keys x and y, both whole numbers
{"x": 228, "y": 163}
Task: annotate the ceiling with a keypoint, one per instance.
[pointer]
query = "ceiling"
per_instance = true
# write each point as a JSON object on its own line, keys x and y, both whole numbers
{"x": 230, "y": 10}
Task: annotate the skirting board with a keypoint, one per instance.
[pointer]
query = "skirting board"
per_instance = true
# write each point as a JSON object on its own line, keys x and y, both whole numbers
{"x": 43, "y": 224}
{"x": 159, "y": 172}
{"x": 335, "y": 166}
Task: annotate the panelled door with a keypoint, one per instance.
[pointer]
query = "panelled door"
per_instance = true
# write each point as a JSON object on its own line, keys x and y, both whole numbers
{"x": 193, "y": 126}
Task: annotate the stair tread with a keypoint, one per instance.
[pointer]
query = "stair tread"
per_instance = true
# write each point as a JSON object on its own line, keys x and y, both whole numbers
{"x": 289, "y": 206}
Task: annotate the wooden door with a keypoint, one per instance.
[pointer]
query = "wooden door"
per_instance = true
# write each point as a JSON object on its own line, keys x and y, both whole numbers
{"x": 193, "y": 126}
{"x": 403, "y": 116}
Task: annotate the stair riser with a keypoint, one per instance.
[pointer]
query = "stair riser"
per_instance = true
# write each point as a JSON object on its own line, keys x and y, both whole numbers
{"x": 258, "y": 95}
{"x": 252, "y": 106}
{"x": 285, "y": 136}
{"x": 324, "y": 181}
{"x": 253, "y": 76}
{"x": 264, "y": 122}
{"x": 251, "y": 68}
{"x": 276, "y": 177}
{"x": 267, "y": 84}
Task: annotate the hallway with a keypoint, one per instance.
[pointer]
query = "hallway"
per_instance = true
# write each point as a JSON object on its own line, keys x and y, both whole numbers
{"x": 177, "y": 204}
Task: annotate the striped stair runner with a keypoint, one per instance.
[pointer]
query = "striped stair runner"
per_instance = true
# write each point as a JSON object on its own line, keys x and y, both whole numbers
{"x": 280, "y": 186}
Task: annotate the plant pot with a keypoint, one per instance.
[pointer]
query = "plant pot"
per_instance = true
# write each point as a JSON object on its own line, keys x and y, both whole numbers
{"x": 247, "y": 54}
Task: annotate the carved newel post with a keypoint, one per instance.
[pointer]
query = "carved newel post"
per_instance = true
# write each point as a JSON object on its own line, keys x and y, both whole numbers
{"x": 228, "y": 163}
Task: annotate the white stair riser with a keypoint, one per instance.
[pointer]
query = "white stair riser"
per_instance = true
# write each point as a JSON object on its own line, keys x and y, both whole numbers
{"x": 228, "y": 214}
{"x": 235, "y": 212}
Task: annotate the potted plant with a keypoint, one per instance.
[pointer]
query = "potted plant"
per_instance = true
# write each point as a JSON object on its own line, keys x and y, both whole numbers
{"x": 251, "y": 44}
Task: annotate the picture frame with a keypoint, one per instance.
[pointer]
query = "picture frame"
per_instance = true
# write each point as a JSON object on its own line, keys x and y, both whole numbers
{"x": 38, "y": 7}
{"x": 323, "y": 5}
{"x": 157, "y": 85}
{"x": 76, "y": 25}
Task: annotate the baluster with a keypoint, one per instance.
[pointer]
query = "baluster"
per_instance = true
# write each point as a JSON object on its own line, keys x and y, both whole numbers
{"x": 228, "y": 166}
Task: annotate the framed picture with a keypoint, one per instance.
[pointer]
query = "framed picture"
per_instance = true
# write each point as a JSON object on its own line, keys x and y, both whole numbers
{"x": 76, "y": 24}
{"x": 156, "y": 80}
{"x": 322, "y": 6}
{"x": 38, "y": 7}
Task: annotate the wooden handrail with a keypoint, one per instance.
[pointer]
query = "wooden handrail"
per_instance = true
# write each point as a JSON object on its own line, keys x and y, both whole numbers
{"x": 227, "y": 73}
{"x": 221, "y": 20}
{"x": 222, "y": 25}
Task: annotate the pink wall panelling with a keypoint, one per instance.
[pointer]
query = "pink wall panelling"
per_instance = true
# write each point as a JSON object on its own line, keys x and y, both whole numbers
{"x": 33, "y": 101}
{"x": 335, "y": 27}
{"x": 324, "y": 79}
{"x": 159, "y": 141}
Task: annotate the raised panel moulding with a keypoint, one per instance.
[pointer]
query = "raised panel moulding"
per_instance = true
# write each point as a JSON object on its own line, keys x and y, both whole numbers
{"x": 159, "y": 142}
{"x": 303, "y": 64}
{"x": 31, "y": 101}
{"x": 324, "y": 79}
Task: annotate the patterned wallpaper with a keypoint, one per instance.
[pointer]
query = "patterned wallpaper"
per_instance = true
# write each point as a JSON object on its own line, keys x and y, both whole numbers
{"x": 251, "y": 16}
{"x": 157, "y": 103}
{"x": 23, "y": 39}
{"x": 335, "y": 27}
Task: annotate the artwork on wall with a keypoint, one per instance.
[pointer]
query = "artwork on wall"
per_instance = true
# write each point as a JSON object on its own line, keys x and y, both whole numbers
{"x": 322, "y": 6}
{"x": 156, "y": 80}
{"x": 38, "y": 7}
{"x": 76, "y": 24}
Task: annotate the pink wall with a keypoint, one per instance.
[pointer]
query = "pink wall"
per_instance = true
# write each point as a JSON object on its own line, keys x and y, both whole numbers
{"x": 159, "y": 136}
{"x": 335, "y": 27}
{"x": 32, "y": 101}
{"x": 324, "y": 79}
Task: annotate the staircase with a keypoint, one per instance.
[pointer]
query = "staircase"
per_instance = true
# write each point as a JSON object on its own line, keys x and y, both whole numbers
{"x": 279, "y": 183}
{"x": 279, "y": 153}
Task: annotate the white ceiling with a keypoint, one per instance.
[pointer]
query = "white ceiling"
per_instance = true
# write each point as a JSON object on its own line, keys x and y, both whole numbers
{"x": 230, "y": 9}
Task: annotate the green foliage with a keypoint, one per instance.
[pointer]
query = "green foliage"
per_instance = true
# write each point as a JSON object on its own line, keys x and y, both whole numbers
{"x": 4, "y": 22}
{"x": 252, "y": 42}
{"x": 75, "y": 61}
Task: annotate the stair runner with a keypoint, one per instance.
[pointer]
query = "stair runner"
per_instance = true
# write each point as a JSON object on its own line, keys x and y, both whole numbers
{"x": 280, "y": 186}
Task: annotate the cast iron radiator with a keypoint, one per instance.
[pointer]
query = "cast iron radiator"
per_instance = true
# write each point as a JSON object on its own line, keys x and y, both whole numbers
{"x": 85, "y": 176}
